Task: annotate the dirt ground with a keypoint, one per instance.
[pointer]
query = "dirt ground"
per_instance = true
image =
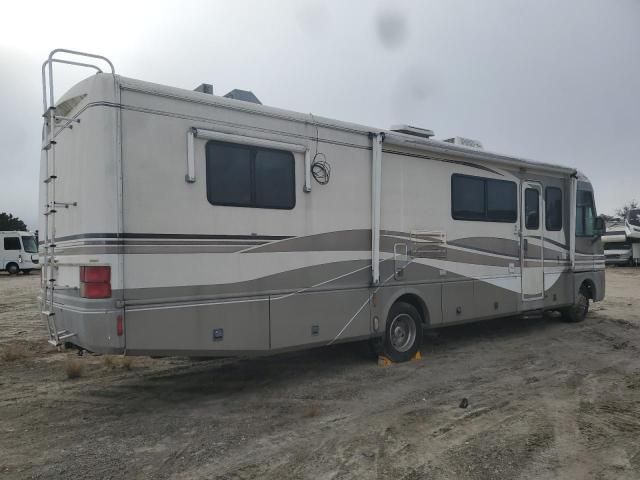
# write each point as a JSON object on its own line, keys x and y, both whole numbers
{"x": 546, "y": 399}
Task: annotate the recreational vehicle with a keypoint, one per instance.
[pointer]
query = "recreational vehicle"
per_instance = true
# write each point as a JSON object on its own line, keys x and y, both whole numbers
{"x": 179, "y": 222}
{"x": 18, "y": 252}
{"x": 617, "y": 247}
{"x": 632, "y": 228}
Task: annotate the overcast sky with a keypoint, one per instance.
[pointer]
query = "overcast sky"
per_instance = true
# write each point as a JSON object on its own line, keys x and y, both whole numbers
{"x": 547, "y": 80}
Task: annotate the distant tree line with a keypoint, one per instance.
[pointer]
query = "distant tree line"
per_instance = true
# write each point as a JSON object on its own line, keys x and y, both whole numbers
{"x": 9, "y": 222}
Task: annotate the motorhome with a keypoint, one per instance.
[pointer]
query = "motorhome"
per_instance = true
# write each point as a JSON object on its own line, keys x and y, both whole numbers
{"x": 617, "y": 247}
{"x": 632, "y": 228}
{"x": 179, "y": 222}
{"x": 18, "y": 252}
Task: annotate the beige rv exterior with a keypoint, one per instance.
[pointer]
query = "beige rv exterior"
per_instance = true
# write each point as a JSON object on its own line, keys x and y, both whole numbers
{"x": 192, "y": 278}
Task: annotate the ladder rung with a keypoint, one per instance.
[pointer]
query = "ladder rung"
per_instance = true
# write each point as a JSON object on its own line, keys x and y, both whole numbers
{"x": 51, "y": 177}
{"x": 64, "y": 334}
{"x": 49, "y": 212}
{"x": 48, "y": 313}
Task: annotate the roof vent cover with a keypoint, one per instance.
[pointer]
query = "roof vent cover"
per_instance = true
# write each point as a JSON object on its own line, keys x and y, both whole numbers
{"x": 204, "y": 88}
{"x": 244, "y": 95}
{"x": 415, "y": 131}
{"x": 465, "y": 142}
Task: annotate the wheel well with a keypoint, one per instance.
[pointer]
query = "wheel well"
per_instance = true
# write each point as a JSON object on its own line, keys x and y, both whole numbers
{"x": 590, "y": 287}
{"x": 417, "y": 303}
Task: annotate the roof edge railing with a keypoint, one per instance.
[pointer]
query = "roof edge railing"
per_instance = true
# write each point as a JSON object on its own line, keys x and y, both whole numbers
{"x": 51, "y": 60}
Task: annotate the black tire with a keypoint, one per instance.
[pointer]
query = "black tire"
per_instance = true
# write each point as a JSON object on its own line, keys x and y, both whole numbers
{"x": 578, "y": 311}
{"x": 13, "y": 268}
{"x": 403, "y": 332}
{"x": 27, "y": 271}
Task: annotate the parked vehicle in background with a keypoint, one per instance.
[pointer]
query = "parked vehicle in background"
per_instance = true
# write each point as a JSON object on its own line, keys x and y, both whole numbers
{"x": 18, "y": 252}
{"x": 178, "y": 222}
{"x": 632, "y": 228}
{"x": 617, "y": 247}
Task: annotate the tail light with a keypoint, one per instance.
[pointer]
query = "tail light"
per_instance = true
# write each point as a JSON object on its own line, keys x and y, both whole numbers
{"x": 95, "y": 282}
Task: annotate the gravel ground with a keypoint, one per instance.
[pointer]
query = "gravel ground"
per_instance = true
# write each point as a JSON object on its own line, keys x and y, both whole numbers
{"x": 546, "y": 399}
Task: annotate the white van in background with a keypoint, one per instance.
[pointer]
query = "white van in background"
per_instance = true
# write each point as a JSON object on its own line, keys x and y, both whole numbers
{"x": 18, "y": 252}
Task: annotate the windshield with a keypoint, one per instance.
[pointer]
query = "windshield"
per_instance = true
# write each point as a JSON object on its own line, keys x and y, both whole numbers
{"x": 29, "y": 244}
{"x": 633, "y": 217}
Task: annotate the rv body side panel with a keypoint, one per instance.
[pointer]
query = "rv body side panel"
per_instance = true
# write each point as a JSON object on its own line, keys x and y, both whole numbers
{"x": 474, "y": 264}
{"x": 294, "y": 257}
{"x": 226, "y": 326}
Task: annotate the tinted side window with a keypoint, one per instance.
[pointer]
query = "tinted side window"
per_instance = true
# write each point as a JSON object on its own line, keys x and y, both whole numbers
{"x": 274, "y": 179}
{"x": 502, "y": 201}
{"x": 12, "y": 243}
{"x": 553, "y": 208}
{"x": 585, "y": 214}
{"x": 483, "y": 199}
{"x": 228, "y": 174}
{"x": 468, "y": 198}
{"x": 532, "y": 208}
{"x": 246, "y": 176}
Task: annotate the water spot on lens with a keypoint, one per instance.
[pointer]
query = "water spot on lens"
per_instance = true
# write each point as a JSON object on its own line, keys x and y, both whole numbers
{"x": 391, "y": 28}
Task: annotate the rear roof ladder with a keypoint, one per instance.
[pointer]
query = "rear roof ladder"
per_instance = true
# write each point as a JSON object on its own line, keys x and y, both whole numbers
{"x": 51, "y": 206}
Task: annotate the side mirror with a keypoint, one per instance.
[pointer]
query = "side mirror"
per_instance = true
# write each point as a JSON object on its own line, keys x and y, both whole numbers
{"x": 600, "y": 226}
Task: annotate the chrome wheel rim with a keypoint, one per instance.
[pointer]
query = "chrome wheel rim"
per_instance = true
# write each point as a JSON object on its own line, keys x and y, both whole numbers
{"x": 402, "y": 332}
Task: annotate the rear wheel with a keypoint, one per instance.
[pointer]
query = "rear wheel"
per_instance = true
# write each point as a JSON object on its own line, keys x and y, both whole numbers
{"x": 27, "y": 271}
{"x": 13, "y": 268}
{"x": 578, "y": 311}
{"x": 403, "y": 332}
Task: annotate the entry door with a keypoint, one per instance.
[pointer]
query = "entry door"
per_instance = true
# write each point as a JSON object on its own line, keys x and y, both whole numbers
{"x": 532, "y": 242}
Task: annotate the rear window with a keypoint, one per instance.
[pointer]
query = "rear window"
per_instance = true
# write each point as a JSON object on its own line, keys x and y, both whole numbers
{"x": 12, "y": 243}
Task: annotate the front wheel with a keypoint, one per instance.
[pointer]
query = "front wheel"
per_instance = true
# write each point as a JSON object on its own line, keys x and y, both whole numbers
{"x": 403, "y": 332}
{"x": 13, "y": 268}
{"x": 578, "y": 311}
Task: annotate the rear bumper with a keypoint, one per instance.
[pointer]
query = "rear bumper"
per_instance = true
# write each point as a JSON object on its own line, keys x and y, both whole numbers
{"x": 94, "y": 330}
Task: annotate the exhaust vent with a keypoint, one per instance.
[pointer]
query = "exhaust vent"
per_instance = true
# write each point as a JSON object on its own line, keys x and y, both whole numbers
{"x": 204, "y": 88}
{"x": 415, "y": 131}
{"x": 244, "y": 95}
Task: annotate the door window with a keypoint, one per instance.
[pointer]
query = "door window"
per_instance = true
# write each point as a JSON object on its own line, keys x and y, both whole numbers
{"x": 532, "y": 208}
